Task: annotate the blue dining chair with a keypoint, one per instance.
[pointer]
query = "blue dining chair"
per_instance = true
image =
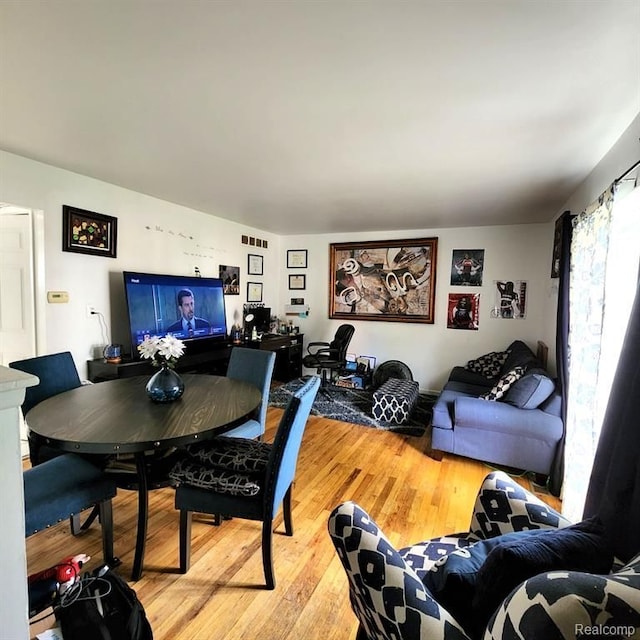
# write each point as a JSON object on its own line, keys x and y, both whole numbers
{"x": 256, "y": 367}
{"x": 57, "y": 373}
{"x": 61, "y": 488}
{"x": 246, "y": 479}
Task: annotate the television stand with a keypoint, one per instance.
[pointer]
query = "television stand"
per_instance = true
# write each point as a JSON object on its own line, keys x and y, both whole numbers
{"x": 213, "y": 361}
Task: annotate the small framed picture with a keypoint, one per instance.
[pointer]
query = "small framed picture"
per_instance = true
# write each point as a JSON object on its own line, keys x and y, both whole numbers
{"x": 296, "y": 259}
{"x": 297, "y": 281}
{"x": 88, "y": 232}
{"x": 256, "y": 267}
{"x": 230, "y": 277}
{"x": 254, "y": 291}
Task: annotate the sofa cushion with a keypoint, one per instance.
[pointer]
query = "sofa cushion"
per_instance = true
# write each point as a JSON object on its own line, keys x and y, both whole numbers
{"x": 472, "y": 582}
{"x": 580, "y": 547}
{"x": 519, "y": 356}
{"x": 504, "y": 384}
{"x": 530, "y": 391}
{"x": 452, "y": 579}
{"x": 462, "y": 375}
{"x": 488, "y": 365}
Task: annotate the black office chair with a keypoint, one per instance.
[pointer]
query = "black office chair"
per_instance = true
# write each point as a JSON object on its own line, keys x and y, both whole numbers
{"x": 327, "y": 357}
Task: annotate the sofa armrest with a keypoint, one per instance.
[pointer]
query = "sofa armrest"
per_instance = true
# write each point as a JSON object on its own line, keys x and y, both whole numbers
{"x": 477, "y": 413}
{"x": 503, "y": 506}
{"x": 576, "y": 604}
{"x": 386, "y": 595}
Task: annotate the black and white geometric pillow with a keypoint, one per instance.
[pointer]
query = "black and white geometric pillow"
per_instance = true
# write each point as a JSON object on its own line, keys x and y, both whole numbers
{"x": 488, "y": 365}
{"x": 196, "y": 474}
{"x": 502, "y": 386}
{"x": 234, "y": 454}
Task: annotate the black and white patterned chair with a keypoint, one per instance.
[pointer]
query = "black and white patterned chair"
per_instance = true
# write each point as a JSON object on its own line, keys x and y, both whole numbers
{"x": 391, "y": 602}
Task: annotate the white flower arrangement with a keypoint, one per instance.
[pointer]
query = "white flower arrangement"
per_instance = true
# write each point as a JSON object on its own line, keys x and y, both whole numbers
{"x": 162, "y": 351}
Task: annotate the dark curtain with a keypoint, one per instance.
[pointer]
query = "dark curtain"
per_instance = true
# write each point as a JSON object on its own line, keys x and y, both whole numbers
{"x": 614, "y": 487}
{"x": 562, "y": 345}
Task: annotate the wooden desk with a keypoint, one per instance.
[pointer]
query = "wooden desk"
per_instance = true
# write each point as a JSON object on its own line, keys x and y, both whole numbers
{"x": 117, "y": 417}
{"x": 288, "y": 350}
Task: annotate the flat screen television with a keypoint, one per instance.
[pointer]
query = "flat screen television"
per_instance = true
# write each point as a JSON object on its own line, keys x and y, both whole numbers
{"x": 190, "y": 308}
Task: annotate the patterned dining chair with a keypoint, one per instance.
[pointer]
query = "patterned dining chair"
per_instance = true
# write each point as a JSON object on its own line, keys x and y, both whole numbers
{"x": 521, "y": 572}
{"x": 244, "y": 478}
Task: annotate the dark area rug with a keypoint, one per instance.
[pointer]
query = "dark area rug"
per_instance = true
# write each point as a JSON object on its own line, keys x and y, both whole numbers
{"x": 354, "y": 406}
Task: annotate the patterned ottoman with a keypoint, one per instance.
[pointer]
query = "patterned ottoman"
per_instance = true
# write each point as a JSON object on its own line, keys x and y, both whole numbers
{"x": 395, "y": 400}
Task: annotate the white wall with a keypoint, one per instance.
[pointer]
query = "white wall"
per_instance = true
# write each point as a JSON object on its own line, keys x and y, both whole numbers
{"x": 153, "y": 236}
{"x": 157, "y": 236}
{"x": 517, "y": 252}
{"x": 618, "y": 160}
{"x": 624, "y": 153}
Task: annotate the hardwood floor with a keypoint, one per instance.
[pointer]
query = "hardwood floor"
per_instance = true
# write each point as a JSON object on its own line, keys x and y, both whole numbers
{"x": 411, "y": 496}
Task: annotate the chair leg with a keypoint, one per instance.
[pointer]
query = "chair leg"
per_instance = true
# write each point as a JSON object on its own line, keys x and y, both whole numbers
{"x": 106, "y": 523}
{"x": 75, "y": 524}
{"x": 286, "y": 512}
{"x": 185, "y": 540}
{"x": 267, "y": 553}
{"x": 78, "y": 527}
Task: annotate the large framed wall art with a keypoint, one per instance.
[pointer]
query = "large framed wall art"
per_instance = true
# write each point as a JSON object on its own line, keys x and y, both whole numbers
{"x": 388, "y": 280}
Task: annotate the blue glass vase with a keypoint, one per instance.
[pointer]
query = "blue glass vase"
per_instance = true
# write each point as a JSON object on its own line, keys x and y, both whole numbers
{"x": 165, "y": 385}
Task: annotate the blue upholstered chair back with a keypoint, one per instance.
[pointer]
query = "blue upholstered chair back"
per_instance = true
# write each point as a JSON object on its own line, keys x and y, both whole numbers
{"x": 281, "y": 468}
{"x": 57, "y": 373}
{"x": 256, "y": 368}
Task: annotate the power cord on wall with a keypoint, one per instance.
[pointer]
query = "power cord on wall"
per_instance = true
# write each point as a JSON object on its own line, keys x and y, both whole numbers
{"x": 103, "y": 326}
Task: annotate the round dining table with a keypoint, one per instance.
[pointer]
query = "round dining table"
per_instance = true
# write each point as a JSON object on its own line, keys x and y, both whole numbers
{"x": 117, "y": 417}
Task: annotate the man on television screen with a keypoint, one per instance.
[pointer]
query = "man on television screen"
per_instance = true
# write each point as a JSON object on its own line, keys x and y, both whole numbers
{"x": 188, "y": 323}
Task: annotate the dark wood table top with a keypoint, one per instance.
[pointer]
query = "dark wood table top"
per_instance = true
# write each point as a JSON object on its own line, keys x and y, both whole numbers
{"x": 117, "y": 416}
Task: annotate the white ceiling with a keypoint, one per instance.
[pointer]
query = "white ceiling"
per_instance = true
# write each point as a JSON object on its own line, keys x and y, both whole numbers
{"x": 325, "y": 116}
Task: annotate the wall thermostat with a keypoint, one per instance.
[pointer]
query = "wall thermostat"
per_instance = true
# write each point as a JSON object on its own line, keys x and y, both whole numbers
{"x": 57, "y": 296}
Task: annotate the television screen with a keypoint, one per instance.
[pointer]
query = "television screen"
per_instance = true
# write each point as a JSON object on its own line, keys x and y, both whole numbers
{"x": 190, "y": 308}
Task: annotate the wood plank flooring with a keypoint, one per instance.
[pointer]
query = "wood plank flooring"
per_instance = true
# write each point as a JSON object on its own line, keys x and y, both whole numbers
{"x": 411, "y": 496}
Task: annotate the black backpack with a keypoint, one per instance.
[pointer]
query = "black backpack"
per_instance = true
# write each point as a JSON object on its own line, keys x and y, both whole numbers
{"x": 102, "y": 607}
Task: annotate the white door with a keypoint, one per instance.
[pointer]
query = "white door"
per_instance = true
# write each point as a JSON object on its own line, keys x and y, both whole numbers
{"x": 17, "y": 317}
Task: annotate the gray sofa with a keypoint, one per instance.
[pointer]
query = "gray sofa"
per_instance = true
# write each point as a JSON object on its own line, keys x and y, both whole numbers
{"x": 501, "y": 408}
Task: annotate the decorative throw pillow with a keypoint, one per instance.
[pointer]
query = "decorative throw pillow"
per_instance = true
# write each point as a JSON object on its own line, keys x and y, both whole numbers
{"x": 580, "y": 547}
{"x": 234, "y": 454}
{"x": 488, "y": 365}
{"x": 452, "y": 580}
{"x": 504, "y": 383}
{"x": 196, "y": 474}
{"x": 531, "y": 390}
